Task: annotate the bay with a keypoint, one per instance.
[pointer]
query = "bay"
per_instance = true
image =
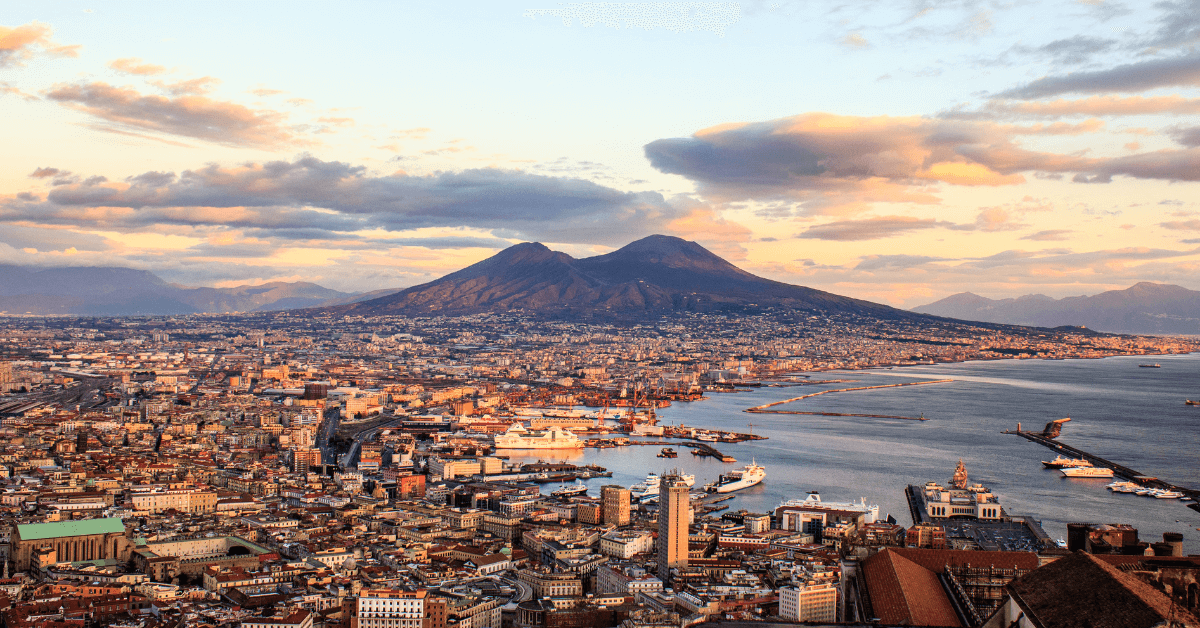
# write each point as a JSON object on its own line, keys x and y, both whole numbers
{"x": 1130, "y": 415}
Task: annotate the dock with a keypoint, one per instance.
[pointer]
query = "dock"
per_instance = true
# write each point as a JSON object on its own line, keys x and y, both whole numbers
{"x": 1132, "y": 475}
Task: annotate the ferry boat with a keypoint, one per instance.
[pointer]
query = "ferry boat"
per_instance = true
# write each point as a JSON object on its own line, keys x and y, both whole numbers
{"x": 1062, "y": 462}
{"x": 1087, "y": 472}
{"x": 578, "y": 488}
{"x": 738, "y": 479}
{"x": 517, "y": 437}
{"x": 667, "y": 452}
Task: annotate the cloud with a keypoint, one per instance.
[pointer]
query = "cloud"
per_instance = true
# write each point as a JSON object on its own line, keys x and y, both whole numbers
{"x": 1181, "y": 225}
{"x": 133, "y": 65}
{"x": 42, "y": 173}
{"x": 894, "y": 262}
{"x": 1049, "y": 235}
{"x": 995, "y": 219}
{"x": 21, "y": 43}
{"x": 190, "y": 87}
{"x": 339, "y": 197}
{"x": 867, "y": 229}
{"x": 185, "y": 115}
{"x": 6, "y": 90}
{"x": 1178, "y": 26}
{"x": 1132, "y": 77}
{"x": 1075, "y": 49}
{"x": 1090, "y": 106}
{"x": 1188, "y": 136}
{"x": 855, "y": 40}
{"x": 839, "y": 164}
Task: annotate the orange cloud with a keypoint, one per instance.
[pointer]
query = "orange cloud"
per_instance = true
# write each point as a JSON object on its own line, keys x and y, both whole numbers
{"x": 22, "y": 42}
{"x": 186, "y": 115}
{"x": 133, "y": 65}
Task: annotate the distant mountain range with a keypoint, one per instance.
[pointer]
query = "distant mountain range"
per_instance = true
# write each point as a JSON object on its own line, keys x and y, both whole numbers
{"x": 652, "y": 275}
{"x": 1145, "y": 308}
{"x": 108, "y": 291}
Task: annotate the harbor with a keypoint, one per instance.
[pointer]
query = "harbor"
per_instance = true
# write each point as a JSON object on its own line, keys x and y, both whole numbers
{"x": 1048, "y": 436}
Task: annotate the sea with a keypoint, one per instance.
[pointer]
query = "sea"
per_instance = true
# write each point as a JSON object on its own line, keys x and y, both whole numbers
{"x": 1130, "y": 415}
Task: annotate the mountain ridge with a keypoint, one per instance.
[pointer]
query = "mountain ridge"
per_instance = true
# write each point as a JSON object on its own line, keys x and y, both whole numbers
{"x": 1143, "y": 308}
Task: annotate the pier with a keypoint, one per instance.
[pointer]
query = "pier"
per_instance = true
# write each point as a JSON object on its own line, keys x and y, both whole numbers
{"x": 1118, "y": 469}
{"x": 766, "y": 408}
{"x": 699, "y": 449}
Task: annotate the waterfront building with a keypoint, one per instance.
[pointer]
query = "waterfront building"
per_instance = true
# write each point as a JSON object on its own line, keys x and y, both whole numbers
{"x": 961, "y": 499}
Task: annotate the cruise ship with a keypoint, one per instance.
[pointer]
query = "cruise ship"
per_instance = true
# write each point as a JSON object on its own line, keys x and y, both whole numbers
{"x": 739, "y": 479}
{"x": 517, "y": 437}
{"x": 1087, "y": 472}
{"x": 786, "y": 513}
{"x": 648, "y": 490}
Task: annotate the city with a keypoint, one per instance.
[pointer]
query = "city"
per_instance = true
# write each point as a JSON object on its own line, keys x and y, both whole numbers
{"x": 300, "y": 469}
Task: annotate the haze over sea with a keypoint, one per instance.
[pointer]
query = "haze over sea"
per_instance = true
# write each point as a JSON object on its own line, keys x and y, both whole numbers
{"x": 1130, "y": 415}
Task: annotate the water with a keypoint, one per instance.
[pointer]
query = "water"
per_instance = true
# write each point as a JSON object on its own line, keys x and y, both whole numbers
{"x": 1130, "y": 415}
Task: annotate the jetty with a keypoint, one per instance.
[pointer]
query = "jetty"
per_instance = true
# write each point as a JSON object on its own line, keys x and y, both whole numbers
{"x": 766, "y": 408}
{"x": 1055, "y": 427}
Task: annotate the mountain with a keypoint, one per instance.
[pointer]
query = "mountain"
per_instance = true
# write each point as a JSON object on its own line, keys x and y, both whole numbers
{"x": 110, "y": 291}
{"x": 1145, "y": 308}
{"x": 655, "y": 274}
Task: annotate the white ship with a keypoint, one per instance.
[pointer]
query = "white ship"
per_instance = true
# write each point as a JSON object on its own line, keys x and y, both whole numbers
{"x": 739, "y": 479}
{"x": 517, "y": 437}
{"x": 570, "y": 490}
{"x": 1123, "y": 487}
{"x": 648, "y": 490}
{"x": 813, "y": 502}
{"x": 1087, "y": 472}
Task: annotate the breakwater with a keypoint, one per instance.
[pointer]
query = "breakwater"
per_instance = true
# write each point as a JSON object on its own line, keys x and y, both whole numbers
{"x": 766, "y": 408}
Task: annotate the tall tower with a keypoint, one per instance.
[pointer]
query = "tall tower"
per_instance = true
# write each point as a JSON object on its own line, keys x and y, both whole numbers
{"x": 615, "y": 500}
{"x": 672, "y": 525}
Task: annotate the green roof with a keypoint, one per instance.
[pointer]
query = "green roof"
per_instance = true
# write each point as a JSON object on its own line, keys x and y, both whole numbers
{"x": 38, "y": 531}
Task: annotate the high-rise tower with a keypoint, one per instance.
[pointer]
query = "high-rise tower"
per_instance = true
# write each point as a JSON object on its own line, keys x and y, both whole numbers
{"x": 672, "y": 525}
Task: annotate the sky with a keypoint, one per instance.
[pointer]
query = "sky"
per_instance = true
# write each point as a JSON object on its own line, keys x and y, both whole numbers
{"x": 897, "y": 151}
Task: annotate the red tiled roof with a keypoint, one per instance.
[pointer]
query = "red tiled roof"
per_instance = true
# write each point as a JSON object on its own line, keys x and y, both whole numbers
{"x": 903, "y": 592}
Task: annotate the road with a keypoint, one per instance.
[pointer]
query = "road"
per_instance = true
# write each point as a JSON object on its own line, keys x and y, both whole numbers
{"x": 348, "y": 458}
{"x": 329, "y": 425}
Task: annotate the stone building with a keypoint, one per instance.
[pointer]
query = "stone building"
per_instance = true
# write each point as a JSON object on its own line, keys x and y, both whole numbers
{"x": 70, "y": 541}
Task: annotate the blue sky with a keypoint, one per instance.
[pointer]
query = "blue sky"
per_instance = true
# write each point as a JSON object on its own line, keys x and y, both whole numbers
{"x": 895, "y": 151}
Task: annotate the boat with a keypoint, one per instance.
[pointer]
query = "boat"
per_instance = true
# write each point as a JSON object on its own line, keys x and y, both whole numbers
{"x": 790, "y": 519}
{"x": 1189, "y": 402}
{"x": 667, "y": 452}
{"x": 738, "y": 479}
{"x": 1156, "y": 365}
{"x": 1123, "y": 487}
{"x": 578, "y": 488}
{"x": 1087, "y": 472}
{"x": 648, "y": 490}
{"x": 1060, "y": 543}
{"x": 1062, "y": 462}
{"x": 517, "y": 437}
{"x": 1161, "y": 493}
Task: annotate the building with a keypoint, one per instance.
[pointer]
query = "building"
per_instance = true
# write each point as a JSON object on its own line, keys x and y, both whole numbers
{"x": 822, "y": 519}
{"x": 927, "y": 535}
{"x": 810, "y": 601}
{"x": 190, "y": 501}
{"x": 302, "y": 459}
{"x": 673, "y": 508}
{"x": 389, "y": 608}
{"x": 961, "y": 499}
{"x": 625, "y": 545}
{"x": 298, "y": 619}
{"x": 1083, "y": 590}
{"x": 70, "y": 541}
{"x": 615, "y": 502}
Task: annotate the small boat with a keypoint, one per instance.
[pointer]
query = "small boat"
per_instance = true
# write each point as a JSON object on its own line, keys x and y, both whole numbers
{"x": 667, "y": 452}
{"x": 1062, "y": 462}
{"x": 1189, "y": 402}
{"x": 1061, "y": 543}
{"x": 1156, "y": 365}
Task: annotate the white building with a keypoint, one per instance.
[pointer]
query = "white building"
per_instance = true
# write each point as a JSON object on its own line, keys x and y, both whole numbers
{"x": 811, "y": 601}
{"x": 389, "y": 608}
